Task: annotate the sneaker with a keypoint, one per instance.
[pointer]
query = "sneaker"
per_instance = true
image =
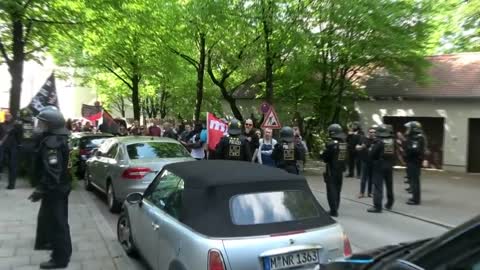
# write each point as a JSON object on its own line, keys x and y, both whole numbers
{"x": 361, "y": 195}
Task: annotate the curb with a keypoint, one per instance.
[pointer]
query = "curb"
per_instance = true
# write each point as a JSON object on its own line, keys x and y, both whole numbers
{"x": 119, "y": 257}
{"x": 424, "y": 219}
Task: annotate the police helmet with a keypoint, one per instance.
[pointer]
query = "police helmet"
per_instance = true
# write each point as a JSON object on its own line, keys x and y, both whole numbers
{"x": 413, "y": 127}
{"x": 336, "y": 131}
{"x": 286, "y": 134}
{"x": 383, "y": 131}
{"x": 53, "y": 119}
{"x": 356, "y": 126}
{"x": 234, "y": 127}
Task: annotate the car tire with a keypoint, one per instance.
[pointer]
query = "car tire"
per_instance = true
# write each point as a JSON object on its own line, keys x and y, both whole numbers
{"x": 87, "y": 181}
{"x": 124, "y": 235}
{"x": 113, "y": 204}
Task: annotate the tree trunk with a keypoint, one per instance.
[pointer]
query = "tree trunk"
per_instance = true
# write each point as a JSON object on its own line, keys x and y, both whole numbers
{"x": 122, "y": 109}
{"x": 135, "y": 97}
{"x": 267, "y": 10}
{"x": 16, "y": 65}
{"x": 200, "y": 77}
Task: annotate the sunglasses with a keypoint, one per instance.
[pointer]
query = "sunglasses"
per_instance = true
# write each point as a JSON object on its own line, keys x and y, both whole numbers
{"x": 248, "y": 125}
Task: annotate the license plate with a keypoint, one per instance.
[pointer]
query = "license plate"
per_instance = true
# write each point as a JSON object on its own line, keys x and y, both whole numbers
{"x": 291, "y": 260}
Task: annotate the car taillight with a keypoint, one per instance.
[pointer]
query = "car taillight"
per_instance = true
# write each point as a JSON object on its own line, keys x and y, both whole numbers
{"x": 347, "y": 248}
{"x": 215, "y": 260}
{"x": 135, "y": 172}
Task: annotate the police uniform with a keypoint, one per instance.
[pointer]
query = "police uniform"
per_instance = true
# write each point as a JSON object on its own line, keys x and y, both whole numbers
{"x": 335, "y": 156}
{"x": 233, "y": 148}
{"x": 53, "y": 189}
{"x": 414, "y": 154}
{"x": 286, "y": 155}
{"x": 382, "y": 157}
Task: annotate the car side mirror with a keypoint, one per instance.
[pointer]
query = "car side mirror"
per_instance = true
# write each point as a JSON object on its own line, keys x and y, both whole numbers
{"x": 134, "y": 198}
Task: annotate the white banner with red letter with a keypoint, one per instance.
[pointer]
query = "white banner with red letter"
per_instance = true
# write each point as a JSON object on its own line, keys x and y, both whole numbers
{"x": 216, "y": 128}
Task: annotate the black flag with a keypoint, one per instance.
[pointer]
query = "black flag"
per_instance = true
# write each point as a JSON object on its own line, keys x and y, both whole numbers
{"x": 92, "y": 113}
{"x": 47, "y": 96}
{"x": 109, "y": 125}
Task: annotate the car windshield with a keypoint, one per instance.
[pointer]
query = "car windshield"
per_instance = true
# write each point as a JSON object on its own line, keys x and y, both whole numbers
{"x": 92, "y": 142}
{"x": 149, "y": 150}
{"x": 272, "y": 207}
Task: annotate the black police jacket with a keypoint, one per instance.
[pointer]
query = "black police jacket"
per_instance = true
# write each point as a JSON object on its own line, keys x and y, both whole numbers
{"x": 286, "y": 155}
{"x": 53, "y": 155}
{"x": 383, "y": 150}
{"x": 335, "y": 155}
{"x": 233, "y": 148}
{"x": 415, "y": 148}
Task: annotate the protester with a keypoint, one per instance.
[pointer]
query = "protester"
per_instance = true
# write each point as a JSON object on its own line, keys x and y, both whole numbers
{"x": 87, "y": 127}
{"x": 195, "y": 144}
{"x": 249, "y": 135}
{"x": 183, "y": 136}
{"x": 154, "y": 130}
{"x": 265, "y": 149}
{"x": 135, "y": 129}
{"x": 168, "y": 131}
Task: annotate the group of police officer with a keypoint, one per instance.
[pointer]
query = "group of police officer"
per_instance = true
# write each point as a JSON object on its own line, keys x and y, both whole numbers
{"x": 285, "y": 153}
{"x": 381, "y": 154}
{"x": 48, "y": 144}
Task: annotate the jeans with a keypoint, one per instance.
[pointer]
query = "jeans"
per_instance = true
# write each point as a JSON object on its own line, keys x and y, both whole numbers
{"x": 366, "y": 177}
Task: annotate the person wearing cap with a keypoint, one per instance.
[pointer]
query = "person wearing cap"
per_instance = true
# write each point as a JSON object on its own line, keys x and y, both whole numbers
{"x": 382, "y": 156}
{"x": 53, "y": 189}
{"x": 335, "y": 156}
{"x": 233, "y": 146}
{"x": 285, "y": 153}
{"x": 414, "y": 155}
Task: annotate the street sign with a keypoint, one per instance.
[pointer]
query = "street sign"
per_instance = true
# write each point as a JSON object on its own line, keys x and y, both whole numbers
{"x": 271, "y": 120}
{"x": 265, "y": 107}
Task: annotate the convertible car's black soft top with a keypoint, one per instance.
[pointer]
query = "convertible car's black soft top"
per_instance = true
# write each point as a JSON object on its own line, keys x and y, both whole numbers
{"x": 210, "y": 185}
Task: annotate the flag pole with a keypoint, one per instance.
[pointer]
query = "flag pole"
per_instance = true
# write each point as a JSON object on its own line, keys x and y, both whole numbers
{"x": 208, "y": 145}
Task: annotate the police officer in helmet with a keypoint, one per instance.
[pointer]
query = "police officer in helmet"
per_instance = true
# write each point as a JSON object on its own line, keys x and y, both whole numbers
{"x": 414, "y": 154}
{"x": 382, "y": 156}
{"x": 335, "y": 156}
{"x": 233, "y": 147}
{"x": 53, "y": 232}
{"x": 286, "y": 153}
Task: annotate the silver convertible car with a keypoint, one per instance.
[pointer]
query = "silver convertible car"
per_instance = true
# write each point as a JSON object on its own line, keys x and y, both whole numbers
{"x": 123, "y": 165}
{"x": 219, "y": 215}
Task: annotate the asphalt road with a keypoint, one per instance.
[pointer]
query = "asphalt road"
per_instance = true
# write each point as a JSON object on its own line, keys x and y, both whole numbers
{"x": 365, "y": 230}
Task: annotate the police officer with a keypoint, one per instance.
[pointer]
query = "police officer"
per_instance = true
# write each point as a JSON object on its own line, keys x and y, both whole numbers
{"x": 10, "y": 136}
{"x": 234, "y": 146}
{"x": 286, "y": 153}
{"x": 335, "y": 156}
{"x": 414, "y": 154}
{"x": 53, "y": 231}
{"x": 382, "y": 156}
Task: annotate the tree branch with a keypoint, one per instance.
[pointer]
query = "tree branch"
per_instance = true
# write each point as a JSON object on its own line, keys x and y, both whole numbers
{"x": 36, "y": 49}
{"x": 4, "y": 53}
{"x": 118, "y": 76}
{"x": 55, "y": 22}
{"x": 122, "y": 69}
{"x": 189, "y": 59}
{"x": 25, "y": 6}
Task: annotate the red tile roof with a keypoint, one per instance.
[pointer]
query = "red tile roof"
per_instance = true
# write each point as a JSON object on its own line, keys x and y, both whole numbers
{"x": 450, "y": 76}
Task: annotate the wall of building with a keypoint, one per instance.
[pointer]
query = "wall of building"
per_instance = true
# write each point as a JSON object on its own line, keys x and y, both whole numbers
{"x": 71, "y": 94}
{"x": 455, "y": 112}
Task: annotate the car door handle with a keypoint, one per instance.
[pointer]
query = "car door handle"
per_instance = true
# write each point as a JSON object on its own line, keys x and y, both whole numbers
{"x": 155, "y": 226}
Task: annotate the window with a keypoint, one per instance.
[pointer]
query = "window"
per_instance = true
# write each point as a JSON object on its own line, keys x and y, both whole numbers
{"x": 272, "y": 207}
{"x": 92, "y": 142}
{"x": 149, "y": 150}
{"x": 112, "y": 152}
{"x": 166, "y": 193}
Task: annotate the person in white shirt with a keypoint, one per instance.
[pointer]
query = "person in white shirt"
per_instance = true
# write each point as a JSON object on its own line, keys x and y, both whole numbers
{"x": 264, "y": 153}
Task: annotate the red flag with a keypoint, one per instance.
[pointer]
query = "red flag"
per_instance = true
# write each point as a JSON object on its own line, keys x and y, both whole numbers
{"x": 92, "y": 113}
{"x": 216, "y": 130}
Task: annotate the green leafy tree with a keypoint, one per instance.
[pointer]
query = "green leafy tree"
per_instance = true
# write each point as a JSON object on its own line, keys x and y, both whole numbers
{"x": 27, "y": 28}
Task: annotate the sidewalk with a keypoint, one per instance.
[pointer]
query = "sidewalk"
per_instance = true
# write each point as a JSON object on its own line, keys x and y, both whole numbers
{"x": 94, "y": 243}
{"x": 448, "y": 199}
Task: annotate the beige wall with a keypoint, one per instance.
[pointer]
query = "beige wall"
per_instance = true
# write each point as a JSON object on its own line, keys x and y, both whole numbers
{"x": 455, "y": 112}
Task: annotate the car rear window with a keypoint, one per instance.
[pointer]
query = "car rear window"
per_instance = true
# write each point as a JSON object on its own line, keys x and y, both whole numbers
{"x": 148, "y": 150}
{"x": 92, "y": 142}
{"x": 272, "y": 207}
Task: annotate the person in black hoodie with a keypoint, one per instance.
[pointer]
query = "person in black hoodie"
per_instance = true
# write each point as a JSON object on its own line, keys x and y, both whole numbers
{"x": 362, "y": 152}
{"x": 10, "y": 136}
{"x": 353, "y": 139}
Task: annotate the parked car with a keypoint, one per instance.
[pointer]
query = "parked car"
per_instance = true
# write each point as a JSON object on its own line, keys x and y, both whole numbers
{"x": 457, "y": 249}
{"x": 82, "y": 146}
{"x": 220, "y": 215}
{"x": 122, "y": 165}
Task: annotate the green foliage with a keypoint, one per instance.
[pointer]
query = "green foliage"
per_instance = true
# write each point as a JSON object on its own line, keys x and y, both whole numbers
{"x": 463, "y": 31}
